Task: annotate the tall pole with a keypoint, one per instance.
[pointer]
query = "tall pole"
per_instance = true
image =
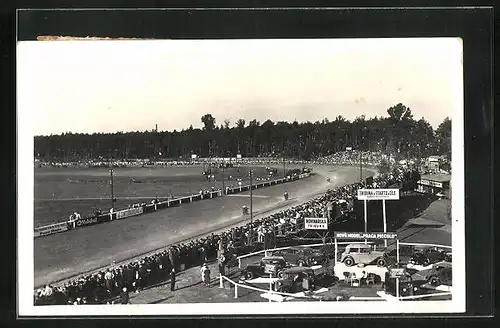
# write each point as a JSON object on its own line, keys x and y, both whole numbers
{"x": 360, "y": 167}
{"x": 112, "y": 189}
{"x": 223, "y": 169}
{"x": 284, "y": 170}
{"x": 251, "y": 207}
{"x": 385, "y": 220}
{"x": 251, "y": 196}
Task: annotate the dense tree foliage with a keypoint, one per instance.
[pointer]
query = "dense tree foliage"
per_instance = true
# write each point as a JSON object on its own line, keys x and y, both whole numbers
{"x": 398, "y": 134}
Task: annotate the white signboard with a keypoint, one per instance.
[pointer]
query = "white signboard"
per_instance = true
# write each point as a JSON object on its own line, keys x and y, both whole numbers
{"x": 269, "y": 268}
{"x": 238, "y": 156}
{"x": 348, "y": 148}
{"x": 194, "y": 156}
{"x": 365, "y": 235}
{"x": 378, "y": 194}
{"x": 130, "y": 212}
{"x": 397, "y": 272}
{"x": 316, "y": 223}
{"x": 430, "y": 183}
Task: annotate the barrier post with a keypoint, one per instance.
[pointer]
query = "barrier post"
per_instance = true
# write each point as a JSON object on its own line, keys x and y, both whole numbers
{"x": 397, "y": 288}
{"x": 385, "y": 220}
{"x": 168, "y": 203}
{"x": 211, "y": 194}
{"x": 336, "y": 251}
{"x": 156, "y": 207}
{"x": 270, "y": 286}
{"x": 397, "y": 250}
{"x": 239, "y": 263}
{"x": 366, "y": 219}
{"x": 221, "y": 281}
{"x": 191, "y": 199}
{"x": 235, "y": 290}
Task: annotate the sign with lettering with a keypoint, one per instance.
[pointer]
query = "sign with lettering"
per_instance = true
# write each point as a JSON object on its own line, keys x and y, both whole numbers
{"x": 269, "y": 268}
{"x": 86, "y": 221}
{"x": 378, "y": 194}
{"x": 365, "y": 235}
{"x": 431, "y": 183}
{"x": 51, "y": 229}
{"x": 316, "y": 223}
{"x": 397, "y": 272}
{"x": 130, "y": 212}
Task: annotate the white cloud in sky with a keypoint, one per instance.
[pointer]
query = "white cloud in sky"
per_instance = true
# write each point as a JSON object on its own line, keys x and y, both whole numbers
{"x": 109, "y": 86}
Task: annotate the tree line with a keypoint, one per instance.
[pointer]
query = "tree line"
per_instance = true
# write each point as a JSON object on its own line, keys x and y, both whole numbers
{"x": 398, "y": 134}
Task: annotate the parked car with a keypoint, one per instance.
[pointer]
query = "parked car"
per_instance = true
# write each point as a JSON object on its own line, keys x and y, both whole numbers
{"x": 240, "y": 248}
{"x": 440, "y": 274}
{"x": 407, "y": 287}
{"x": 430, "y": 256}
{"x": 362, "y": 253}
{"x": 267, "y": 265}
{"x": 293, "y": 280}
{"x": 302, "y": 256}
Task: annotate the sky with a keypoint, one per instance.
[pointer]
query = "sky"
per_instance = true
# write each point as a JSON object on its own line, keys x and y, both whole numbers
{"x": 110, "y": 86}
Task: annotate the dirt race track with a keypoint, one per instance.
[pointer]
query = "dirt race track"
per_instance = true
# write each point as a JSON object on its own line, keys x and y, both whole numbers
{"x": 65, "y": 255}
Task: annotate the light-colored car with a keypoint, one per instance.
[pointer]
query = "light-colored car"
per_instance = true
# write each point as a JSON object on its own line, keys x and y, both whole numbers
{"x": 364, "y": 254}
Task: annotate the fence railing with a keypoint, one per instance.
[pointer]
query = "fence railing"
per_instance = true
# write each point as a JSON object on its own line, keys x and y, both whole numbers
{"x": 266, "y": 251}
{"x": 269, "y": 291}
{"x": 149, "y": 208}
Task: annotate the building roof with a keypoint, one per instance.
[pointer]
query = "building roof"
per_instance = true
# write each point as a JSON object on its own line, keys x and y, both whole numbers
{"x": 437, "y": 177}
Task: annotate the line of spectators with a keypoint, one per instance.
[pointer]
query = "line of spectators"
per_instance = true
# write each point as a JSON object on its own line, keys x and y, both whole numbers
{"x": 106, "y": 285}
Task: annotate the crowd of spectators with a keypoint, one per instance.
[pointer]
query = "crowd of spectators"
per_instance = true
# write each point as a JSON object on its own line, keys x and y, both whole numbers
{"x": 353, "y": 157}
{"x": 106, "y": 285}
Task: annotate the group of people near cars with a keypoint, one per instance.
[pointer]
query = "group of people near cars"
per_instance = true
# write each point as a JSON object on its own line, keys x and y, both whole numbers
{"x": 107, "y": 285}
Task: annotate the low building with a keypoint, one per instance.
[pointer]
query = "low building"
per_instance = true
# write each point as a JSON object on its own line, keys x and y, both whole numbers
{"x": 435, "y": 184}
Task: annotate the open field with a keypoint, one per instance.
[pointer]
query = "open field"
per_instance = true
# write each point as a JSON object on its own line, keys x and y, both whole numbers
{"x": 68, "y": 254}
{"x": 62, "y": 191}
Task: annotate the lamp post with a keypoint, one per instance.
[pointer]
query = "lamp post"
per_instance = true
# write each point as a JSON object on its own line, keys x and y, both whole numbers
{"x": 360, "y": 167}
{"x": 112, "y": 188}
{"x": 223, "y": 169}
{"x": 251, "y": 207}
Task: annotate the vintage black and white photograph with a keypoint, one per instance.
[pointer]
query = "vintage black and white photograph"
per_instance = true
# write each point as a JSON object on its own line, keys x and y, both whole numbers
{"x": 240, "y": 176}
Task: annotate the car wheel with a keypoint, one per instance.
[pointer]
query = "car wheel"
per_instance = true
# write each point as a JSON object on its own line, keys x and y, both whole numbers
{"x": 434, "y": 281}
{"x": 301, "y": 263}
{"x": 280, "y": 274}
{"x": 349, "y": 261}
{"x": 381, "y": 262}
{"x": 426, "y": 262}
{"x": 249, "y": 275}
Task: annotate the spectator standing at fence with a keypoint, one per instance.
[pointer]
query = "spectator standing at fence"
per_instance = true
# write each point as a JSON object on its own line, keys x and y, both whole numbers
{"x": 222, "y": 267}
{"x": 108, "y": 277}
{"x": 172, "y": 280}
{"x": 124, "y": 296}
{"x": 205, "y": 274}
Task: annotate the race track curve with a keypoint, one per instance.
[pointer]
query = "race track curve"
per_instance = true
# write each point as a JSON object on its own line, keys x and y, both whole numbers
{"x": 69, "y": 254}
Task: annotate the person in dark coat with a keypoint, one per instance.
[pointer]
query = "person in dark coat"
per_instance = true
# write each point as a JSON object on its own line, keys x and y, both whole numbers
{"x": 172, "y": 280}
{"x": 124, "y": 296}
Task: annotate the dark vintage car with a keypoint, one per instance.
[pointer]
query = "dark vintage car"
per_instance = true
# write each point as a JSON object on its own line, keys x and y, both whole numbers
{"x": 266, "y": 266}
{"x": 440, "y": 274}
{"x": 430, "y": 256}
{"x": 296, "y": 279}
{"x": 406, "y": 284}
{"x": 302, "y": 256}
{"x": 242, "y": 248}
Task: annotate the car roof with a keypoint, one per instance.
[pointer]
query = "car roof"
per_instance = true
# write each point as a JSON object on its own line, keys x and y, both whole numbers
{"x": 302, "y": 249}
{"x": 443, "y": 264}
{"x": 298, "y": 269}
{"x": 359, "y": 245}
{"x": 273, "y": 258}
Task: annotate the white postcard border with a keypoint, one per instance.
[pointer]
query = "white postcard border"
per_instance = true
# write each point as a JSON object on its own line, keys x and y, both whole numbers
{"x": 25, "y": 264}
